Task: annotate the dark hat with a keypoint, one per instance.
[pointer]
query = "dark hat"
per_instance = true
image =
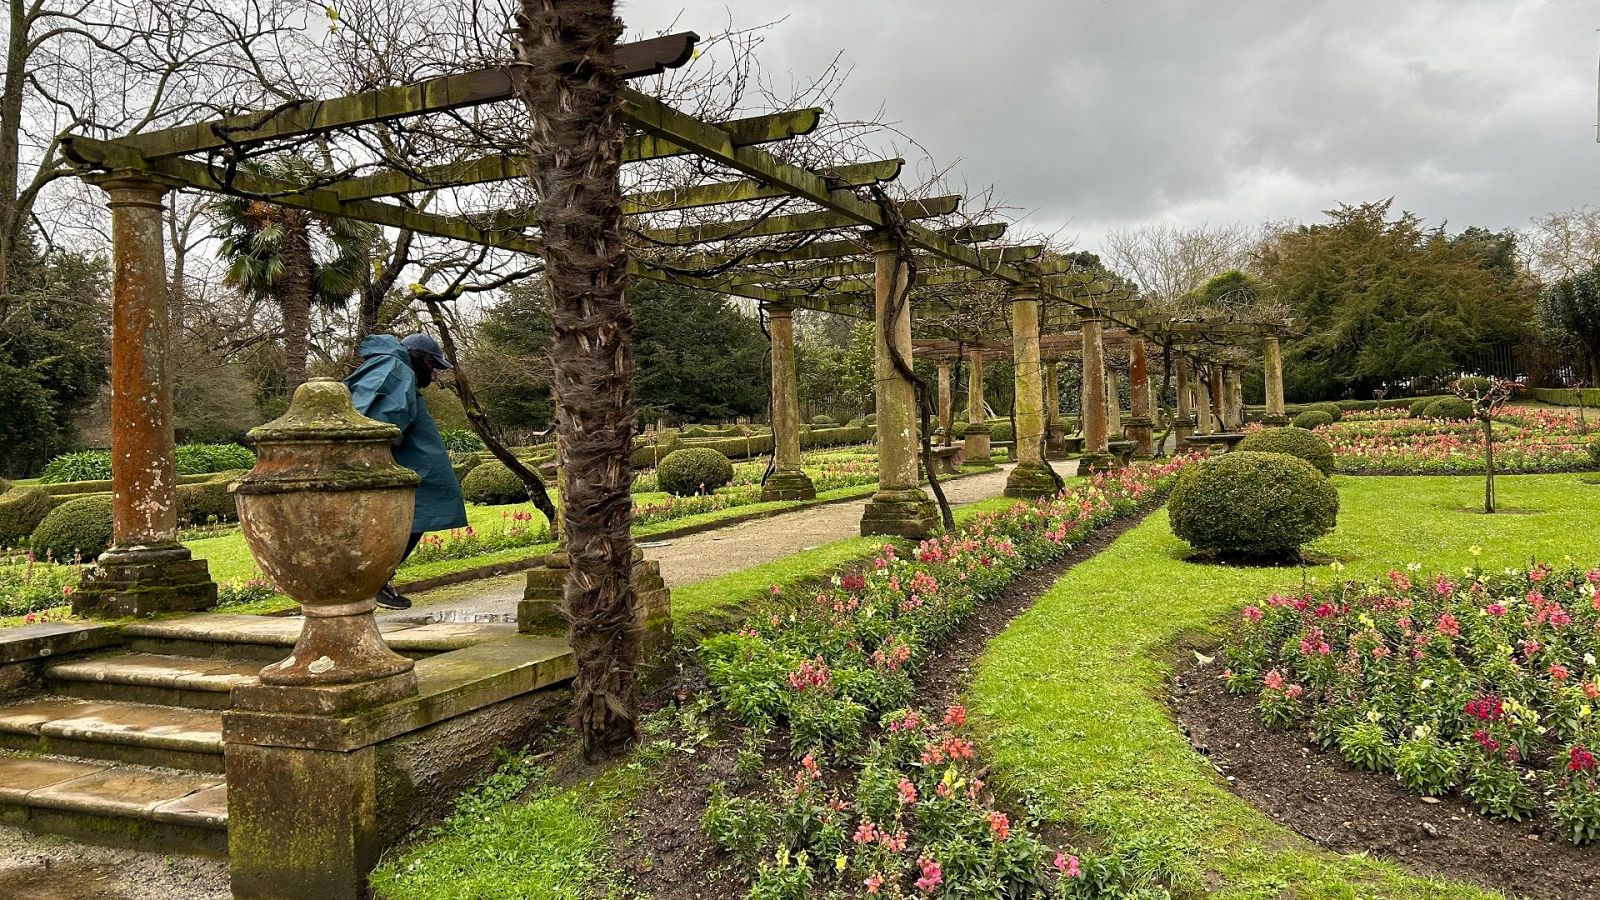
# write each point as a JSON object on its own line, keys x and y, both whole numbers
{"x": 428, "y": 345}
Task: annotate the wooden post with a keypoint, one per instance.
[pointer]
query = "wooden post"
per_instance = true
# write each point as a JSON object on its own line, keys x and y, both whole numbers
{"x": 146, "y": 571}
{"x": 787, "y": 481}
{"x": 1092, "y": 403}
{"x": 1141, "y": 426}
{"x": 1032, "y": 476}
{"x": 899, "y": 506}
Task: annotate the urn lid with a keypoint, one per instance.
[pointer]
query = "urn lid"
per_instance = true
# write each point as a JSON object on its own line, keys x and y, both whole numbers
{"x": 321, "y": 411}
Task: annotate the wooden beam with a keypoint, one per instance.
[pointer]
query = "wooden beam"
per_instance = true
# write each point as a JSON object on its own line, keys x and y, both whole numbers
{"x": 836, "y": 249}
{"x": 841, "y": 268}
{"x": 819, "y": 220}
{"x": 508, "y": 166}
{"x": 719, "y": 193}
{"x": 242, "y": 183}
{"x": 309, "y": 117}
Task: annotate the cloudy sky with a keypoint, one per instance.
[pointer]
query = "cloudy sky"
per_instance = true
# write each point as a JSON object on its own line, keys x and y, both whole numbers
{"x": 1091, "y": 116}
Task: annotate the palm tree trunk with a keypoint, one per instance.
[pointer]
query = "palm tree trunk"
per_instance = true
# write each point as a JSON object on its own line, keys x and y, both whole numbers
{"x": 569, "y": 80}
{"x": 294, "y": 302}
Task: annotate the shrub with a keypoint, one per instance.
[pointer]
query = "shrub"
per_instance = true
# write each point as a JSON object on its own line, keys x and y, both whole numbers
{"x": 85, "y": 465}
{"x": 492, "y": 484}
{"x": 872, "y": 418}
{"x": 1594, "y": 452}
{"x": 208, "y": 501}
{"x": 1419, "y": 408}
{"x": 203, "y": 459}
{"x": 1448, "y": 408}
{"x": 1334, "y": 411}
{"x": 1252, "y": 505}
{"x": 461, "y": 440}
{"x": 693, "y": 470}
{"x": 1297, "y": 442}
{"x": 1474, "y": 384}
{"x": 21, "y": 511}
{"x": 1000, "y": 430}
{"x": 77, "y": 529}
{"x": 826, "y": 421}
{"x": 1312, "y": 418}
{"x": 958, "y": 429}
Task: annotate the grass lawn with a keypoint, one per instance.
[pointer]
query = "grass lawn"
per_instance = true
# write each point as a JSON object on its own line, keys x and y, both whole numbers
{"x": 1067, "y": 697}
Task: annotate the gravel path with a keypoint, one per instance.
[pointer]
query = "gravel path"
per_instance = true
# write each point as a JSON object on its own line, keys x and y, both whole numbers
{"x": 708, "y": 554}
{"x": 45, "y": 867}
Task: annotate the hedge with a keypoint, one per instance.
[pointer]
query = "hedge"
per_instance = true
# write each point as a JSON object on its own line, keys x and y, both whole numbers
{"x": 80, "y": 529}
{"x": 21, "y": 511}
{"x": 1565, "y": 396}
{"x": 209, "y": 501}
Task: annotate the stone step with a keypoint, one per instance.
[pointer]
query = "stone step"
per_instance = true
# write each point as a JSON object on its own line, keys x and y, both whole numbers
{"x": 268, "y": 638}
{"x": 120, "y": 805}
{"x": 187, "y": 681}
{"x": 139, "y": 733}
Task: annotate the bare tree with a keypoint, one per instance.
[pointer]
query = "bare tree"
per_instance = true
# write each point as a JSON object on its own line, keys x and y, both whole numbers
{"x": 1170, "y": 261}
{"x": 1561, "y": 244}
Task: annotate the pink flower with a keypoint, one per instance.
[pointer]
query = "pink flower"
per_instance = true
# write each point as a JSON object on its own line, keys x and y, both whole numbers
{"x": 908, "y": 791}
{"x": 873, "y": 883}
{"x": 955, "y": 716}
{"x": 931, "y": 876}
{"x": 1067, "y": 866}
{"x": 866, "y": 832}
{"x": 1558, "y": 672}
{"x": 1253, "y": 614}
{"x": 1495, "y": 609}
{"x": 1273, "y": 680}
{"x": 999, "y": 825}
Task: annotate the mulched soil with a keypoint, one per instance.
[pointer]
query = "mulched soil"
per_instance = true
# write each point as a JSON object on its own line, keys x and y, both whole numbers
{"x": 659, "y": 849}
{"x": 1284, "y": 774}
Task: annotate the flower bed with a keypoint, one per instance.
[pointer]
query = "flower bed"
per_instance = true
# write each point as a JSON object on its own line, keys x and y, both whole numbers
{"x": 1526, "y": 442}
{"x": 28, "y": 586}
{"x": 517, "y": 529}
{"x": 1483, "y": 686}
{"x": 888, "y": 800}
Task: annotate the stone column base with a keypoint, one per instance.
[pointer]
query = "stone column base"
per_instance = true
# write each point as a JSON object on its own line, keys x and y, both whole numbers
{"x": 977, "y": 444}
{"x": 1029, "y": 480}
{"x": 1093, "y": 461}
{"x": 788, "y": 486}
{"x": 1142, "y": 433}
{"x": 1183, "y": 432}
{"x": 539, "y": 611}
{"x": 144, "y": 581}
{"x": 908, "y": 514}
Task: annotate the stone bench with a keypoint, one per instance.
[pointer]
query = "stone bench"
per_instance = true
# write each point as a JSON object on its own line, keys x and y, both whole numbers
{"x": 1227, "y": 440}
{"x": 1122, "y": 450}
{"x": 1009, "y": 446}
{"x": 947, "y": 460}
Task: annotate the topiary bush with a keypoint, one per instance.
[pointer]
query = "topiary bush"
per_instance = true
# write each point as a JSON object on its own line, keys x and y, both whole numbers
{"x": 693, "y": 470}
{"x": 208, "y": 501}
{"x": 1474, "y": 384}
{"x": 872, "y": 418}
{"x": 824, "y": 421}
{"x": 492, "y": 484}
{"x": 1312, "y": 418}
{"x": 21, "y": 511}
{"x": 958, "y": 429}
{"x": 1297, "y": 442}
{"x": 1247, "y": 505}
{"x": 1000, "y": 430}
{"x": 1419, "y": 408}
{"x": 1335, "y": 413}
{"x": 76, "y": 530}
{"x": 1448, "y": 408}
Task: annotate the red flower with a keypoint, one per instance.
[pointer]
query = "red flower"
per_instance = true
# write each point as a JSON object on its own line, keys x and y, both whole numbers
{"x": 1580, "y": 760}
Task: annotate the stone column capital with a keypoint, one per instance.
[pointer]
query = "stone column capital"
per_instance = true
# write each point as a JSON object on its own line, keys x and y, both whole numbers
{"x": 133, "y": 186}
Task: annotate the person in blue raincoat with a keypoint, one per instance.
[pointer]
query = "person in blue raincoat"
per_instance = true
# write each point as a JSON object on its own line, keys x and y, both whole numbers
{"x": 387, "y": 386}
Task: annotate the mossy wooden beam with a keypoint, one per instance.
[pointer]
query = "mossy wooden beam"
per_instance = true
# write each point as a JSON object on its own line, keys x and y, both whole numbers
{"x": 508, "y": 166}
{"x": 309, "y": 117}
{"x": 115, "y": 156}
{"x": 864, "y": 267}
{"x": 797, "y": 223}
{"x": 844, "y": 248}
{"x": 749, "y": 189}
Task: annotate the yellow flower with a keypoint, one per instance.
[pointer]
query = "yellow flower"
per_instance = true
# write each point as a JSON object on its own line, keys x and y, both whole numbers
{"x": 839, "y": 862}
{"x": 1475, "y": 550}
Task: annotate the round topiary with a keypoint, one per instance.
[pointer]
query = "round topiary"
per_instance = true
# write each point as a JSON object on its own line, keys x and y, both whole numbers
{"x": 824, "y": 421}
{"x": 492, "y": 484}
{"x": 1419, "y": 408}
{"x": 1297, "y": 442}
{"x": 76, "y": 530}
{"x": 1448, "y": 408}
{"x": 693, "y": 470}
{"x": 21, "y": 511}
{"x": 1245, "y": 505}
{"x": 958, "y": 429}
{"x": 1474, "y": 384}
{"x": 1000, "y": 430}
{"x": 1312, "y": 418}
{"x": 1332, "y": 409}
{"x": 872, "y": 418}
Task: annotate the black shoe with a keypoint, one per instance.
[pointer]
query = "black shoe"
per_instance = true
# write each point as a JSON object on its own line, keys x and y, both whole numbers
{"x": 389, "y": 598}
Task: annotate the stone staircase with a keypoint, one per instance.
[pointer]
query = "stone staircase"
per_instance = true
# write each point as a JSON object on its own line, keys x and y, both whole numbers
{"x": 123, "y": 745}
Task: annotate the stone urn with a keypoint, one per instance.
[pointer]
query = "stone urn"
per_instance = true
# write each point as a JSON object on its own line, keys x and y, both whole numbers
{"x": 327, "y": 514}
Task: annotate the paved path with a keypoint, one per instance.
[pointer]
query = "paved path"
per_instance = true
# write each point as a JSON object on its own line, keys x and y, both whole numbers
{"x": 711, "y": 553}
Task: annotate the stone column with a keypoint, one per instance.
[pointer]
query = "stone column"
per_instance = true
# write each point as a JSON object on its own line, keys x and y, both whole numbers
{"x": 1185, "y": 415}
{"x": 1032, "y": 476}
{"x": 899, "y": 507}
{"x": 146, "y": 571}
{"x": 1055, "y": 429}
{"x": 1233, "y": 399}
{"x": 1272, "y": 364}
{"x": 1092, "y": 403}
{"x": 1141, "y": 426}
{"x": 1219, "y": 422}
{"x": 1114, "y": 406}
{"x": 944, "y": 400}
{"x": 787, "y": 481}
{"x": 977, "y": 440}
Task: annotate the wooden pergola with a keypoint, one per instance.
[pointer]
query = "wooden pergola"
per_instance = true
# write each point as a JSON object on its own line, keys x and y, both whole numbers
{"x": 842, "y": 253}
